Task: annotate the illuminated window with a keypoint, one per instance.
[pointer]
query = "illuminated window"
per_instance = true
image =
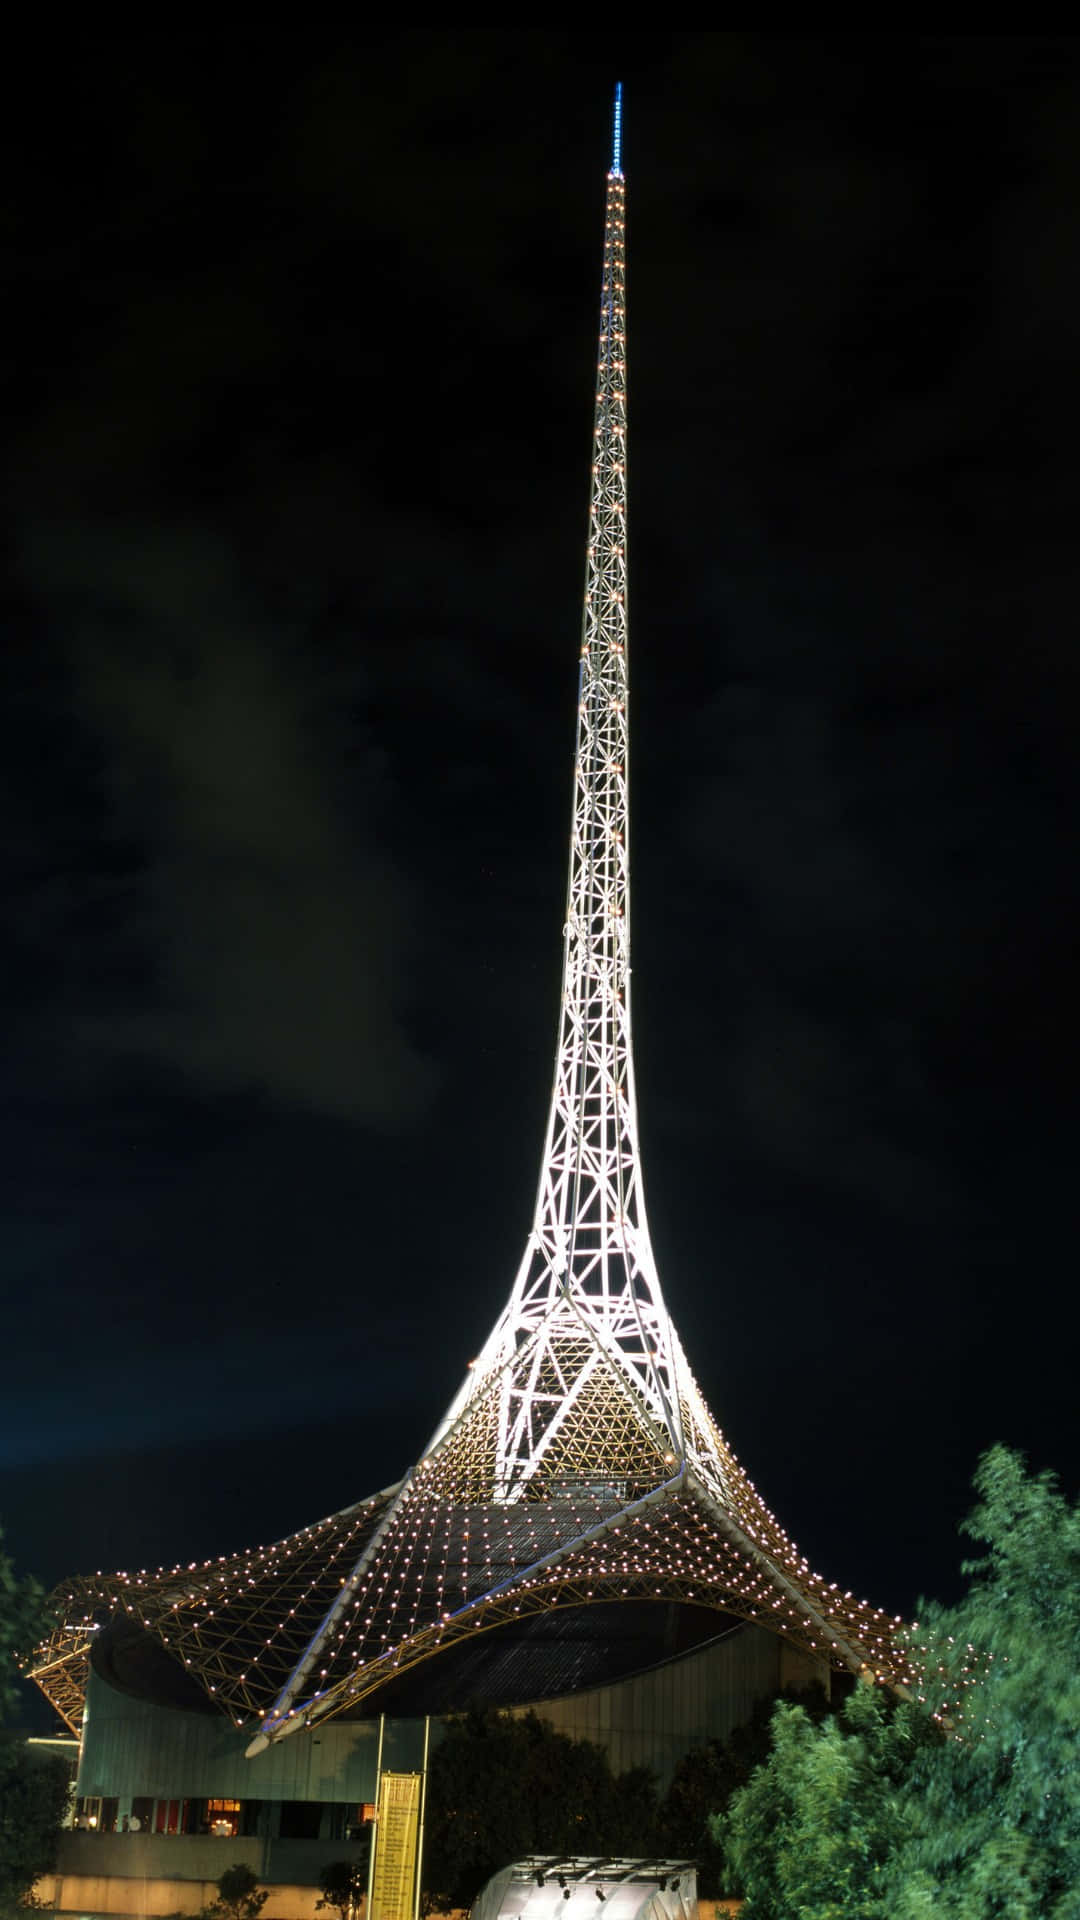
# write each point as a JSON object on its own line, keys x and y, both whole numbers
{"x": 223, "y": 1818}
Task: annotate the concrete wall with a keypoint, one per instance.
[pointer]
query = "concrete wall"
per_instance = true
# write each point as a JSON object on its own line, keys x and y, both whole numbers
{"x": 652, "y": 1719}
{"x": 190, "y": 1857}
{"x": 153, "y": 1874}
{"x": 130, "y": 1747}
{"x": 93, "y": 1896}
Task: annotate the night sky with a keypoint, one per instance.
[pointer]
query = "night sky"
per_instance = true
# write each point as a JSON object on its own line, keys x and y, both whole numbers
{"x": 298, "y": 416}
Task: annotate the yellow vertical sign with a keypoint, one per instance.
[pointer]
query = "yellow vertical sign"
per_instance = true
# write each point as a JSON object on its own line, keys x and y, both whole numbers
{"x": 398, "y": 1820}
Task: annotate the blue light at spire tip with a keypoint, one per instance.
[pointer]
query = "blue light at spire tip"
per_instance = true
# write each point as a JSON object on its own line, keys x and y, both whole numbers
{"x": 616, "y": 140}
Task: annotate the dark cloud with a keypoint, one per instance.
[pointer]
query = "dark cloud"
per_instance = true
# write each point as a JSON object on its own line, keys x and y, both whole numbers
{"x": 276, "y": 941}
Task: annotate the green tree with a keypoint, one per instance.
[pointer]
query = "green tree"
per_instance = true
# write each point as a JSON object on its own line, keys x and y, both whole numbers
{"x": 240, "y": 1896}
{"x": 706, "y": 1778}
{"x": 33, "y": 1801}
{"x": 342, "y": 1885}
{"x": 815, "y": 1828}
{"x": 33, "y": 1792}
{"x": 994, "y": 1815}
{"x": 23, "y": 1619}
{"x": 501, "y": 1786}
{"x": 884, "y": 1813}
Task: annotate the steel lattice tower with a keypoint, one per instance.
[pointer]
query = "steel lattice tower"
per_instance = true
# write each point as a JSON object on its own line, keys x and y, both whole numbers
{"x": 578, "y": 1462}
{"x": 587, "y": 1292}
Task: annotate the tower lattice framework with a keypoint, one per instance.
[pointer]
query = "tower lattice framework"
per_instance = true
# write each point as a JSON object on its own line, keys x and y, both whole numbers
{"x": 578, "y": 1462}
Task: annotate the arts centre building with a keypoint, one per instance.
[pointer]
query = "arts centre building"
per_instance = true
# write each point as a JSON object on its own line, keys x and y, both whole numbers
{"x": 167, "y": 1796}
{"x": 577, "y": 1535}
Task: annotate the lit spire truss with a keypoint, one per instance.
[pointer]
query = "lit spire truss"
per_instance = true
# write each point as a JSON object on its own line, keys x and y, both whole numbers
{"x": 578, "y": 1463}
{"x": 586, "y": 1294}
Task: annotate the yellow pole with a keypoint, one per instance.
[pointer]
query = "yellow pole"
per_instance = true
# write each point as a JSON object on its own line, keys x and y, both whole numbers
{"x": 375, "y": 1822}
{"x": 423, "y": 1809}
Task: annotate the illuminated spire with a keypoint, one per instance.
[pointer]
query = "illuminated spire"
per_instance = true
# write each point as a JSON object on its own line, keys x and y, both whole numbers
{"x": 578, "y": 1462}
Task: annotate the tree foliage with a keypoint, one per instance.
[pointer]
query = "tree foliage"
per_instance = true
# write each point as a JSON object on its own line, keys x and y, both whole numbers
{"x": 33, "y": 1800}
{"x": 33, "y": 1791}
{"x": 342, "y": 1884}
{"x": 705, "y": 1780}
{"x": 22, "y": 1621}
{"x": 814, "y": 1830}
{"x": 240, "y": 1896}
{"x": 501, "y": 1786}
{"x": 994, "y": 1822}
{"x": 880, "y": 1813}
